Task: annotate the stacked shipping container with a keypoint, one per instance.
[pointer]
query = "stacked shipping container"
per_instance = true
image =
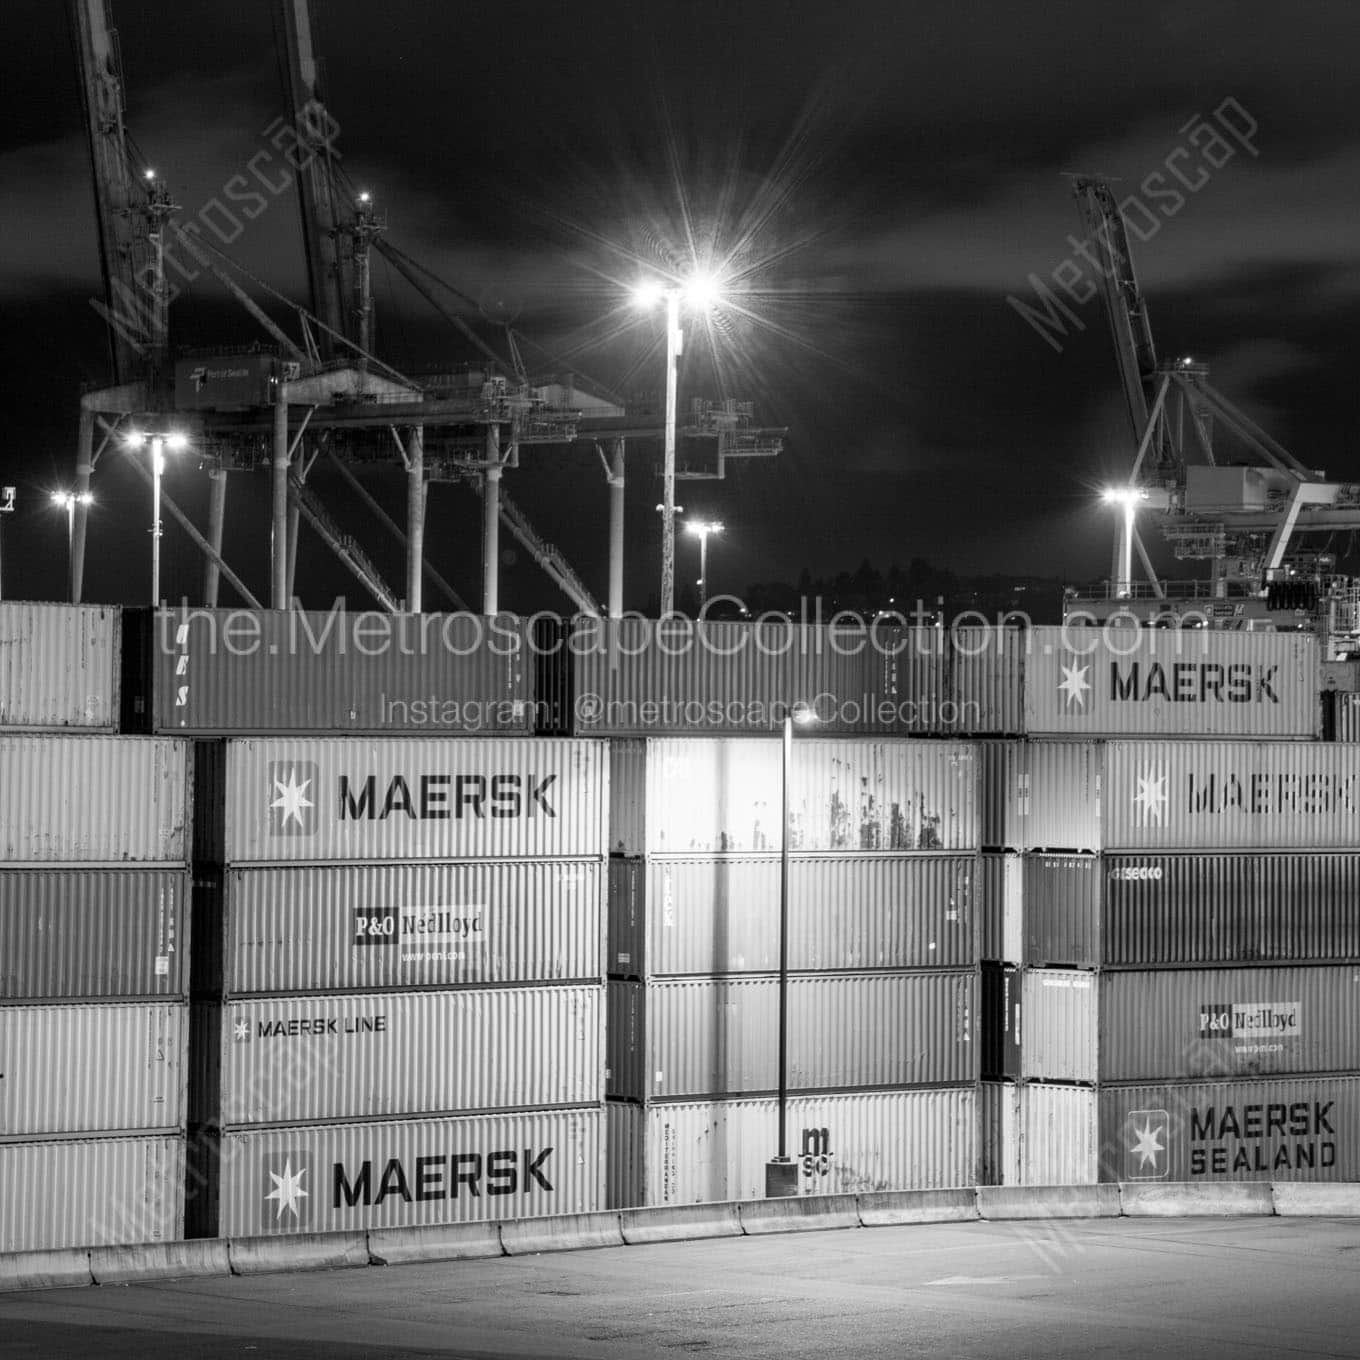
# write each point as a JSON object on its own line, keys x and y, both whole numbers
{"x": 400, "y": 1005}
{"x": 1176, "y": 987}
{"x": 94, "y": 891}
{"x": 882, "y": 987}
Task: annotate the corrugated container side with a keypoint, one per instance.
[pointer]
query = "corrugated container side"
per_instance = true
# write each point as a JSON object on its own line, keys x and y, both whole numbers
{"x": 58, "y": 667}
{"x": 347, "y": 1177}
{"x": 84, "y": 933}
{"x": 1170, "y": 683}
{"x": 240, "y": 671}
{"x": 721, "y": 914}
{"x": 93, "y": 1192}
{"x": 1058, "y": 1025}
{"x": 990, "y": 906}
{"x": 1222, "y": 1022}
{"x": 703, "y": 1152}
{"x": 377, "y": 799}
{"x": 388, "y": 926}
{"x": 1055, "y": 796}
{"x": 626, "y": 917}
{"x": 1280, "y": 1130}
{"x": 999, "y": 1022}
{"x": 1058, "y": 1135}
{"x": 998, "y": 1133}
{"x": 1233, "y": 908}
{"x": 708, "y": 1036}
{"x": 1061, "y": 896}
{"x": 625, "y": 1037}
{"x": 997, "y": 763}
{"x": 92, "y": 1068}
{"x": 93, "y": 800}
{"x": 1195, "y": 795}
{"x": 295, "y": 1060}
{"x": 988, "y": 680}
{"x": 623, "y": 1186}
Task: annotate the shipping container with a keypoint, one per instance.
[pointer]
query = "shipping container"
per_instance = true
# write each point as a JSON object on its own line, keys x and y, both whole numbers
{"x": 999, "y": 1022}
{"x": 1040, "y": 795}
{"x": 298, "y": 1059}
{"x": 720, "y": 914}
{"x": 1170, "y": 682}
{"x": 91, "y": 1068}
{"x": 1139, "y": 911}
{"x": 403, "y": 799}
{"x": 1276, "y": 1130}
{"x": 225, "y": 382}
{"x": 215, "y": 672}
{"x": 1038, "y": 1134}
{"x": 348, "y": 1177}
{"x": 91, "y": 1192}
{"x": 93, "y": 800}
{"x": 706, "y": 796}
{"x": 988, "y": 675}
{"x": 88, "y": 933}
{"x": 1342, "y": 716}
{"x": 998, "y": 897}
{"x": 719, "y": 1036}
{"x": 1340, "y": 676}
{"x": 58, "y": 667}
{"x": 1188, "y": 1023}
{"x": 394, "y": 926}
{"x": 698, "y": 1152}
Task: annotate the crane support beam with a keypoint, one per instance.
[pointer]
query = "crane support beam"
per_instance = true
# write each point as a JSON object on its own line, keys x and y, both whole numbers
{"x": 1305, "y": 493}
{"x": 217, "y": 518}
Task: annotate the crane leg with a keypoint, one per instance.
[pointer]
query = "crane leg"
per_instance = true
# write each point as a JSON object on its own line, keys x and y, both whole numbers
{"x": 616, "y": 488}
{"x": 217, "y": 515}
{"x": 415, "y": 518}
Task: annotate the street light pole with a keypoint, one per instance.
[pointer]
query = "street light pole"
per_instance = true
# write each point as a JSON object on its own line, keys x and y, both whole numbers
{"x": 703, "y": 528}
{"x": 157, "y": 465}
{"x": 6, "y": 508}
{"x": 781, "y": 1174}
{"x": 674, "y": 344}
{"x": 68, "y": 500}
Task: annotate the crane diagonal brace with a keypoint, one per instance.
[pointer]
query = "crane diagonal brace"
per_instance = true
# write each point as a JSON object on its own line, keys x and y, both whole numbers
{"x": 341, "y": 544}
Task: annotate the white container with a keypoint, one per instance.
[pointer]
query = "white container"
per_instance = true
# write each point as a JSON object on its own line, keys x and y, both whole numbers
{"x": 698, "y": 1152}
{"x": 93, "y": 800}
{"x": 408, "y": 799}
{"x": 301, "y": 1059}
{"x": 92, "y": 1068}
{"x": 1179, "y": 682}
{"x": 706, "y": 796}
{"x": 1041, "y": 795}
{"x": 58, "y": 667}
{"x": 1036, "y": 1134}
{"x": 91, "y": 1192}
{"x": 384, "y": 926}
{"x": 347, "y": 1177}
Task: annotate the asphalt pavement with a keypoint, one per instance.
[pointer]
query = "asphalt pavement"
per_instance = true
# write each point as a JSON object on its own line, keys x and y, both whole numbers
{"x": 1238, "y": 1289}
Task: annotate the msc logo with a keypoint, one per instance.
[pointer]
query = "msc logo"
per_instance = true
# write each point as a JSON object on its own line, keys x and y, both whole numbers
{"x": 287, "y": 1193}
{"x": 1149, "y": 1138}
{"x": 816, "y": 1155}
{"x": 292, "y": 797}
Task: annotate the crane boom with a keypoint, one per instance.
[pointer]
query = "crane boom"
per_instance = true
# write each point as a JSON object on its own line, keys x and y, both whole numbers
{"x": 316, "y": 175}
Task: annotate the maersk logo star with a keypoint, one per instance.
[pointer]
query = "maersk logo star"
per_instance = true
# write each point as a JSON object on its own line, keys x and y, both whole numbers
{"x": 1151, "y": 798}
{"x": 292, "y": 791}
{"x": 240, "y": 1031}
{"x": 1149, "y": 1138}
{"x": 1074, "y": 685}
{"x": 287, "y": 1193}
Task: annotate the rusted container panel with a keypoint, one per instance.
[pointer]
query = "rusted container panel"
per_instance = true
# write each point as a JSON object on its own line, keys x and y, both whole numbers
{"x": 699, "y": 1152}
{"x": 1180, "y": 682}
{"x": 204, "y": 672}
{"x": 1194, "y": 795}
{"x": 719, "y": 1036}
{"x": 93, "y": 800}
{"x": 91, "y": 1068}
{"x": 343, "y": 1177}
{"x": 677, "y": 796}
{"x": 87, "y": 933}
{"x": 386, "y": 926}
{"x": 1059, "y": 1025}
{"x": 401, "y": 799}
{"x": 1041, "y": 795}
{"x": 91, "y": 1192}
{"x": 58, "y": 667}
{"x": 1168, "y": 910}
{"x": 301, "y": 1059}
{"x": 720, "y": 914}
{"x": 1060, "y": 908}
{"x": 1282, "y": 1129}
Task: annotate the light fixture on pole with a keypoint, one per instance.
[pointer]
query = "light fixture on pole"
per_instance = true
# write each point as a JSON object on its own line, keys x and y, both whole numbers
{"x": 68, "y": 500}
{"x": 781, "y": 1173}
{"x": 700, "y": 291}
{"x": 702, "y": 528}
{"x": 7, "y": 495}
{"x": 158, "y": 444}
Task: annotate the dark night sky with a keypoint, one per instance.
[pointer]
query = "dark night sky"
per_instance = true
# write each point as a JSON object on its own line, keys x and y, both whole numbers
{"x": 885, "y": 174}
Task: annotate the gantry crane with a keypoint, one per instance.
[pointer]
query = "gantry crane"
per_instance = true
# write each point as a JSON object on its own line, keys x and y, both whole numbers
{"x": 1241, "y": 511}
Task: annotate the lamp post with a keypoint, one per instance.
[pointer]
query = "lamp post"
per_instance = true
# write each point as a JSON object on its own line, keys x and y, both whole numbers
{"x": 1127, "y": 498}
{"x": 158, "y": 443}
{"x": 6, "y": 508}
{"x": 700, "y": 291}
{"x": 703, "y": 528}
{"x": 781, "y": 1172}
{"x": 68, "y": 500}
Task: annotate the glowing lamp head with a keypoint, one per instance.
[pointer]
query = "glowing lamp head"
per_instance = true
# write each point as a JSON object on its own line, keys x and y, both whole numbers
{"x": 649, "y": 292}
{"x": 702, "y": 528}
{"x": 176, "y": 443}
{"x": 134, "y": 439}
{"x": 1127, "y": 496}
{"x": 148, "y": 174}
{"x": 703, "y": 290}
